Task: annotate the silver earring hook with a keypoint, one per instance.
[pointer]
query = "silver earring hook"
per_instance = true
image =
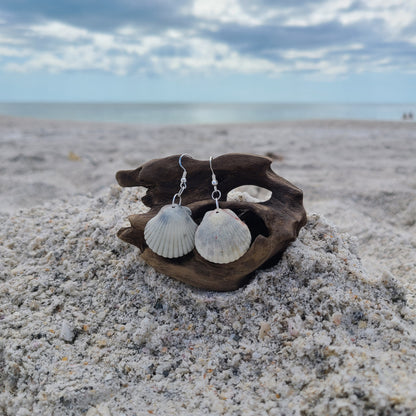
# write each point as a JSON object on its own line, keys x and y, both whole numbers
{"x": 182, "y": 186}
{"x": 210, "y": 165}
{"x": 180, "y": 161}
{"x": 216, "y": 193}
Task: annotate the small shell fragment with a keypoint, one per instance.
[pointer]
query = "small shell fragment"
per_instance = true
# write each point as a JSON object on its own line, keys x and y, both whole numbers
{"x": 222, "y": 237}
{"x": 67, "y": 332}
{"x": 171, "y": 232}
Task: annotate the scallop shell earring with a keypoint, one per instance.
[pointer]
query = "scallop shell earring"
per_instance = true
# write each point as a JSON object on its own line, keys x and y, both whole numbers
{"x": 221, "y": 237}
{"x": 171, "y": 232}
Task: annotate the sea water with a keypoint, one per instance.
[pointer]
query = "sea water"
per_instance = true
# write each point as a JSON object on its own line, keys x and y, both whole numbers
{"x": 205, "y": 113}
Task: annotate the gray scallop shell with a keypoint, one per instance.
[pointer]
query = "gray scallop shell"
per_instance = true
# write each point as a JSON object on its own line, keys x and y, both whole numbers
{"x": 171, "y": 232}
{"x": 222, "y": 237}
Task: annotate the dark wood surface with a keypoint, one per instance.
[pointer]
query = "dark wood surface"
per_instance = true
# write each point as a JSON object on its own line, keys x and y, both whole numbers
{"x": 273, "y": 224}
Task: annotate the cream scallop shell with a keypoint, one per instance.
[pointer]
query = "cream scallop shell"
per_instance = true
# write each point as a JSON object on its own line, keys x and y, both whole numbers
{"x": 171, "y": 232}
{"x": 222, "y": 237}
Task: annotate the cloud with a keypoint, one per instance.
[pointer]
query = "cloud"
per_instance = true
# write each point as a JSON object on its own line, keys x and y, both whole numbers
{"x": 9, "y": 52}
{"x": 59, "y": 31}
{"x": 201, "y": 36}
{"x": 98, "y": 15}
{"x": 273, "y": 37}
{"x": 229, "y": 11}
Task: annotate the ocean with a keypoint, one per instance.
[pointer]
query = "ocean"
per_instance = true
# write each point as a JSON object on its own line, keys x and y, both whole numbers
{"x": 205, "y": 113}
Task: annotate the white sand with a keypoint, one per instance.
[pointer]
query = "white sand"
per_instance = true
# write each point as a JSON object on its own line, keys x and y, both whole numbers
{"x": 88, "y": 328}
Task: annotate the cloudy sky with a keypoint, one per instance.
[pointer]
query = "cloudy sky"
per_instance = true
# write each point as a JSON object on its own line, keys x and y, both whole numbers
{"x": 208, "y": 50}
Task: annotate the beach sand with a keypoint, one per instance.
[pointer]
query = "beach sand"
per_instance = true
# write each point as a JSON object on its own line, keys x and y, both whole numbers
{"x": 88, "y": 328}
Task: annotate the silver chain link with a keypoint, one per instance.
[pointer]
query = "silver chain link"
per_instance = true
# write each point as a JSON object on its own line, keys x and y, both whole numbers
{"x": 182, "y": 187}
{"x": 216, "y": 193}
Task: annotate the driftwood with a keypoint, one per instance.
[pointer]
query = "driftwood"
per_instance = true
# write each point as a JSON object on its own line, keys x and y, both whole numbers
{"x": 273, "y": 224}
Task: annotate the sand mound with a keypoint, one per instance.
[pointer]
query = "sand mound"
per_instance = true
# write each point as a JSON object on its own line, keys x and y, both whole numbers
{"x": 87, "y": 327}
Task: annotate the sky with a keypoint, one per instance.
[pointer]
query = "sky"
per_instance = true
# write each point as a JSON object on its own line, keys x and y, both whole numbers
{"x": 208, "y": 50}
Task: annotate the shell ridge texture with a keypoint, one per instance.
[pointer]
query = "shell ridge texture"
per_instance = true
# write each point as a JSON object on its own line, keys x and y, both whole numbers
{"x": 222, "y": 237}
{"x": 171, "y": 231}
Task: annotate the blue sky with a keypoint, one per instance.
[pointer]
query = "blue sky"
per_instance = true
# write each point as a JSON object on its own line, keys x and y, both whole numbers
{"x": 208, "y": 50}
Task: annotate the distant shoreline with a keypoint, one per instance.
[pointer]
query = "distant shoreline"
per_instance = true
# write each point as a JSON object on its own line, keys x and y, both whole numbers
{"x": 4, "y": 118}
{"x": 206, "y": 113}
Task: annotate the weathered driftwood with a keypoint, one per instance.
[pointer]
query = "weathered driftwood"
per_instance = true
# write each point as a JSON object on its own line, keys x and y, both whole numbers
{"x": 273, "y": 223}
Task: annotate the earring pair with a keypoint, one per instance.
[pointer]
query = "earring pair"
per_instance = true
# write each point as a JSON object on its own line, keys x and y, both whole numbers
{"x": 221, "y": 237}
